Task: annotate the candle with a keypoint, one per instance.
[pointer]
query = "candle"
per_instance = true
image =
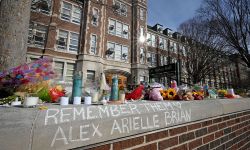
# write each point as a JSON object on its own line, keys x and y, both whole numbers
{"x": 87, "y": 100}
{"x": 64, "y": 101}
{"x": 77, "y": 101}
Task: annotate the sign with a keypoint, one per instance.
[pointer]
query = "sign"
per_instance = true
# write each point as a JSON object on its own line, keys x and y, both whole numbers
{"x": 163, "y": 69}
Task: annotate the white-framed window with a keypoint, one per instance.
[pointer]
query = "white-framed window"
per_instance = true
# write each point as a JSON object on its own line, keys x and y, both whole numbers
{"x": 162, "y": 60}
{"x": 59, "y": 69}
{"x": 37, "y": 35}
{"x": 153, "y": 40}
{"x": 165, "y": 44}
{"x": 161, "y": 44}
{"x": 171, "y": 46}
{"x": 124, "y": 53}
{"x": 118, "y": 28}
{"x": 175, "y": 48}
{"x": 184, "y": 51}
{"x": 142, "y": 55}
{"x": 43, "y": 6}
{"x": 93, "y": 44}
{"x": 151, "y": 59}
{"x": 149, "y": 40}
{"x": 120, "y": 8}
{"x": 70, "y": 12}
{"x": 69, "y": 72}
{"x": 111, "y": 50}
{"x": 91, "y": 75}
{"x": 73, "y": 44}
{"x": 64, "y": 70}
{"x": 141, "y": 14}
{"x": 165, "y": 60}
{"x": 111, "y": 27}
{"x": 67, "y": 41}
{"x": 119, "y": 51}
{"x": 95, "y": 17}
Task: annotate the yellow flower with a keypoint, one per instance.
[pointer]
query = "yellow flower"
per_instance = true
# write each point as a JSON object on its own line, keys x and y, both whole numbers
{"x": 171, "y": 93}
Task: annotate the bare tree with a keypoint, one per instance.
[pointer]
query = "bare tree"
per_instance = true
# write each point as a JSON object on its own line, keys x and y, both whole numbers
{"x": 202, "y": 49}
{"x": 14, "y": 24}
{"x": 230, "y": 20}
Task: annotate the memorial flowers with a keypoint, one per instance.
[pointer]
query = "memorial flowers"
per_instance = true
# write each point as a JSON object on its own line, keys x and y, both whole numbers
{"x": 169, "y": 94}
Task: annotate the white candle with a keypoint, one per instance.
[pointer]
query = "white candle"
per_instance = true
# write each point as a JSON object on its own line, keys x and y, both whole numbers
{"x": 77, "y": 101}
{"x": 122, "y": 97}
{"x": 94, "y": 97}
{"x": 87, "y": 100}
{"x": 64, "y": 101}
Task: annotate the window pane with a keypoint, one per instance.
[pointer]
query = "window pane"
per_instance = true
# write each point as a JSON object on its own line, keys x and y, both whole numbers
{"x": 125, "y": 31}
{"x": 70, "y": 71}
{"x": 93, "y": 44}
{"x": 111, "y": 26}
{"x": 118, "y": 50}
{"x": 111, "y": 47}
{"x": 124, "y": 53}
{"x": 90, "y": 75}
{"x": 76, "y": 15}
{"x": 118, "y": 29}
{"x": 66, "y": 11}
{"x": 153, "y": 40}
{"x": 62, "y": 40}
{"x": 73, "y": 45}
{"x": 59, "y": 67}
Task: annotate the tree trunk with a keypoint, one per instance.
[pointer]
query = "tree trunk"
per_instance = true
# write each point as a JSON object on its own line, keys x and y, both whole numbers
{"x": 14, "y": 25}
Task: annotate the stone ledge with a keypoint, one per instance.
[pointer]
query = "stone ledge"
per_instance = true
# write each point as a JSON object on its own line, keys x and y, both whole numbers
{"x": 76, "y": 126}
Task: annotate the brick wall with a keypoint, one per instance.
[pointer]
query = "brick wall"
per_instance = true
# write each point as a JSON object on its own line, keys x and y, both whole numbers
{"x": 230, "y": 131}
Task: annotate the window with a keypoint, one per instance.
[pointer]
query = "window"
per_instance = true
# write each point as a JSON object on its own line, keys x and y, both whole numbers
{"x": 125, "y": 31}
{"x": 142, "y": 55}
{"x": 93, "y": 44}
{"x": 70, "y": 13}
{"x": 165, "y": 60}
{"x": 161, "y": 44}
{"x": 151, "y": 59}
{"x": 175, "y": 48}
{"x": 153, "y": 40}
{"x": 59, "y": 69}
{"x": 95, "y": 17}
{"x": 141, "y": 14}
{"x": 149, "y": 40}
{"x": 73, "y": 44}
{"x": 118, "y": 29}
{"x": 110, "y": 50}
{"x": 119, "y": 52}
{"x": 162, "y": 60}
{"x": 111, "y": 26}
{"x": 37, "y": 35}
{"x": 120, "y": 8}
{"x": 70, "y": 72}
{"x": 67, "y": 41}
{"x": 124, "y": 52}
{"x": 165, "y": 44}
{"x": 171, "y": 46}
{"x": 90, "y": 75}
{"x": 43, "y": 6}
{"x": 142, "y": 78}
{"x": 62, "y": 40}
{"x": 64, "y": 71}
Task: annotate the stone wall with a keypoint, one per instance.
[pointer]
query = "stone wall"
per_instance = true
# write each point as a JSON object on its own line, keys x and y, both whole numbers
{"x": 207, "y": 124}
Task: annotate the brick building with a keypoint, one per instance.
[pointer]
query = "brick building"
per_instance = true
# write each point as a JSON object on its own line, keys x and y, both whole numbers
{"x": 115, "y": 40}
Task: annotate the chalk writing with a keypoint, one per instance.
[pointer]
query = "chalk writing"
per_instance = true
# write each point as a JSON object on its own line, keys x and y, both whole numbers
{"x": 86, "y": 132}
{"x": 116, "y": 120}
